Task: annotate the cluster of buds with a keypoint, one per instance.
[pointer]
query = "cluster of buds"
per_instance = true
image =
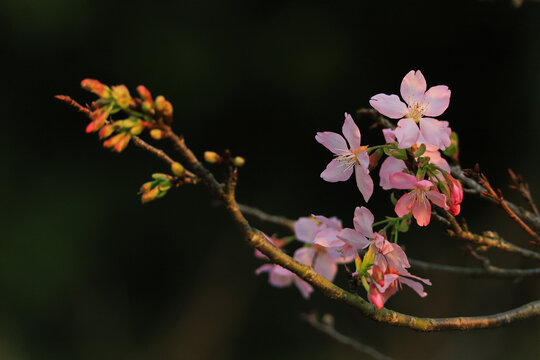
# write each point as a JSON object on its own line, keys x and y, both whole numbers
{"x": 161, "y": 183}
{"x": 143, "y": 112}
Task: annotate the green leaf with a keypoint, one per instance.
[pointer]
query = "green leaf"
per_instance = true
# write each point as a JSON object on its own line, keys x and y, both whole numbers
{"x": 420, "y": 151}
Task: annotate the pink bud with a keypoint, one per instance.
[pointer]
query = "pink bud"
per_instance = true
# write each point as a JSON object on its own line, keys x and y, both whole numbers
{"x": 97, "y": 88}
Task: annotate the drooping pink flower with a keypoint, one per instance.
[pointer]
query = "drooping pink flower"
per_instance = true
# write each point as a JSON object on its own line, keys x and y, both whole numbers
{"x": 392, "y": 165}
{"x": 417, "y": 200}
{"x": 389, "y": 272}
{"x": 418, "y": 103}
{"x": 325, "y": 253}
{"x": 348, "y": 157}
{"x": 281, "y": 277}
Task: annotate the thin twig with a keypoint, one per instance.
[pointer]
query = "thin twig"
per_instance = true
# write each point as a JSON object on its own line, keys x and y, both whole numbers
{"x": 488, "y": 240}
{"x": 489, "y": 271}
{"x": 261, "y": 215}
{"x": 329, "y": 330}
{"x": 482, "y": 180}
{"x": 474, "y": 188}
{"x": 523, "y": 188}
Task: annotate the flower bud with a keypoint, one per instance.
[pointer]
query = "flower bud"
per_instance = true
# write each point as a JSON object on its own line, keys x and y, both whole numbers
{"x": 148, "y": 107}
{"x": 113, "y": 141}
{"x": 106, "y": 131}
{"x": 123, "y": 143}
{"x": 120, "y": 94}
{"x": 211, "y": 157}
{"x": 455, "y": 194}
{"x": 136, "y": 129}
{"x": 146, "y": 187}
{"x": 374, "y": 158}
{"x": 99, "y": 117}
{"x": 144, "y": 93}
{"x": 177, "y": 169}
{"x": 239, "y": 161}
{"x": 160, "y": 103}
{"x": 156, "y": 134}
{"x": 167, "y": 109}
{"x": 150, "y": 195}
{"x": 101, "y": 90}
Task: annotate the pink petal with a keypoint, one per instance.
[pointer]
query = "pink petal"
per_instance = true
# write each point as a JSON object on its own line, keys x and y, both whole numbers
{"x": 389, "y": 135}
{"x": 343, "y": 255}
{"x": 280, "y": 277}
{"x": 332, "y": 223}
{"x": 264, "y": 268}
{"x": 406, "y": 133}
{"x": 397, "y": 259}
{"x": 402, "y": 181}
{"x": 435, "y": 132}
{"x": 436, "y": 100}
{"x": 389, "y": 105}
{"x": 416, "y": 286}
{"x": 405, "y": 204}
{"x": 304, "y": 287}
{"x": 351, "y": 132}
{"x": 388, "y": 280}
{"x": 363, "y": 158}
{"x": 325, "y": 266}
{"x": 424, "y": 184}
{"x": 337, "y": 171}
{"x": 422, "y": 212}
{"x": 363, "y": 221}
{"x": 437, "y": 198}
{"x": 354, "y": 238}
{"x": 389, "y": 166}
{"x": 305, "y": 229}
{"x": 435, "y": 158}
{"x": 304, "y": 255}
{"x": 363, "y": 181}
{"x": 413, "y": 87}
{"x": 328, "y": 238}
{"x": 332, "y": 141}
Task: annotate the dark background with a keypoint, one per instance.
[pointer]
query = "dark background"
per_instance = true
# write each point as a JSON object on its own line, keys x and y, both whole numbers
{"x": 87, "y": 272}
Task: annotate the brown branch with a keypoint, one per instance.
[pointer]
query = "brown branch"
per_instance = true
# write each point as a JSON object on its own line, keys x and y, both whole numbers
{"x": 261, "y": 215}
{"x": 255, "y": 238}
{"x": 73, "y": 103}
{"x": 488, "y": 240}
{"x": 329, "y": 330}
{"x": 523, "y": 188}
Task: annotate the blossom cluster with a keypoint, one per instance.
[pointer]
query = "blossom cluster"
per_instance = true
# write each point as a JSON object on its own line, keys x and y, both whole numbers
{"x": 414, "y": 170}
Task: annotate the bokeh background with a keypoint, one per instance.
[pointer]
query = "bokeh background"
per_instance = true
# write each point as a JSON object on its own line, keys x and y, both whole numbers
{"x": 87, "y": 272}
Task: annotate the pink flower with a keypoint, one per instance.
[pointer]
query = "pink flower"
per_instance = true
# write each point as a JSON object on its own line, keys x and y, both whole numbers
{"x": 325, "y": 253}
{"x": 359, "y": 237}
{"x": 281, "y": 277}
{"x": 389, "y": 272}
{"x": 347, "y": 157}
{"x": 419, "y": 103}
{"x": 417, "y": 199}
{"x": 392, "y": 165}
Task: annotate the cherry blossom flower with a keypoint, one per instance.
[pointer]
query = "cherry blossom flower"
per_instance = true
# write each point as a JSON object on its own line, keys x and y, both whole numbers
{"x": 455, "y": 194}
{"x": 417, "y": 199}
{"x": 325, "y": 252}
{"x": 348, "y": 157}
{"x": 418, "y": 103}
{"x": 389, "y": 272}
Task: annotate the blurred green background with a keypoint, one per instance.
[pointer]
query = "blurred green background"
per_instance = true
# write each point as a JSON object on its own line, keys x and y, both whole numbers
{"x": 87, "y": 272}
